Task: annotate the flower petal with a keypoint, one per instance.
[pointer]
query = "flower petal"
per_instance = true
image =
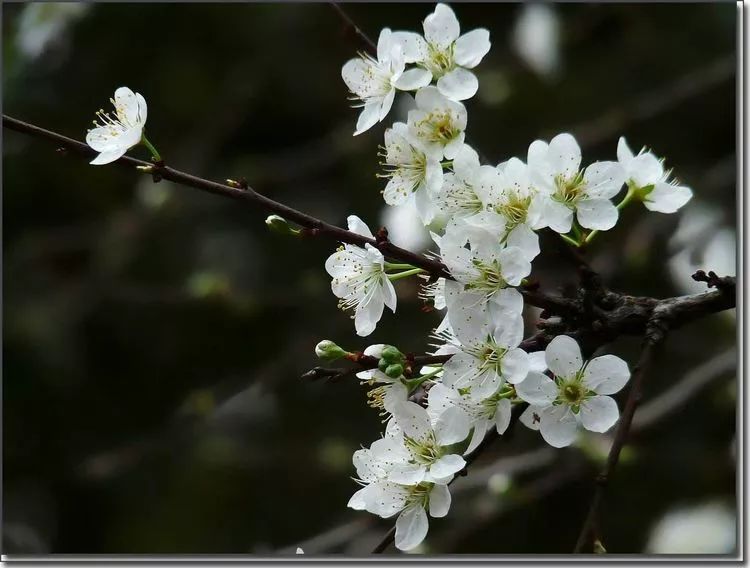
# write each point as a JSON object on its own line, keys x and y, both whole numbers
{"x": 452, "y": 426}
{"x": 459, "y": 84}
{"x": 502, "y": 415}
{"x": 667, "y": 198}
{"x": 441, "y": 28}
{"x": 557, "y": 216}
{"x": 624, "y": 153}
{"x": 108, "y": 157}
{"x": 564, "y": 155}
{"x": 604, "y": 180}
{"x": 599, "y": 214}
{"x": 606, "y": 374}
{"x": 411, "y": 527}
{"x": 413, "y": 420}
{"x": 558, "y": 426}
{"x": 447, "y": 466}
{"x": 515, "y": 366}
{"x": 537, "y": 389}
{"x": 413, "y": 79}
{"x": 563, "y": 356}
{"x": 413, "y": 46}
{"x": 599, "y": 413}
{"x": 440, "y": 501}
{"x": 531, "y": 417}
{"x": 472, "y": 47}
{"x": 357, "y": 225}
{"x": 368, "y": 117}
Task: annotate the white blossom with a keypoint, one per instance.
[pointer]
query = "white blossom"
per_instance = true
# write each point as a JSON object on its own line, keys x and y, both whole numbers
{"x": 446, "y": 53}
{"x": 555, "y": 167}
{"x": 577, "y": 393}
{"x": 374, "y": 81}
{"x": 359, "y": 279}
{"x": 438, "y": 122}
{"x": 646, "y": 176}
{"x": 412, "y": 169}
{"x": 509, "y": 192}
{"x": 458, "y": 197}
{"x": 484, "y": 274}
{"x": 115, "y": 135}
{"x": 486, "y": 352}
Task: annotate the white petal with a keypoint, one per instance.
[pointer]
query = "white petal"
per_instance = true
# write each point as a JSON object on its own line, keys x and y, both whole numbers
{"x": 142, "y": 109}
{"x": 508, "y": 331}
{"x": 564, "y": 155}
{"x": 411, "y": 528}
{"x": 105, "y": 138}
{"x": 452, "y": 148}
{"x": 525, "y": 239}
{"x": 389, "y": 295}
{"x": 624, "y": 153}
{"x": 459, "y": 84}
{"x": 472, "y": 47}
{"x": 355, "y": 74}
{"x": 413, "y": 79}
{"x": 508, "y": 302}
{"x": 599, "y": 413}
{"x": 606, "y": 374}
{"x": 384, "y": 45}
{"x": 127, "y": 102}
{"x": 558, "y": 426}
{"x": 604, "y": 180}
{"x": 537, "y": 389}
{"x": 359, "y": 500}
{"x": 447, "y": 466}
{"x": 645, "y": 169}
{"x": 514, "y": 265}
{"x": 515, "y": 366}
{"x": 502, "y": 415}
{"x": 368, "y": 314}
{"x": 466, "y": 162}
{"x": 480, "y": 429}
{"x": 413, "y": 46}
{"x": 386, "y": 499}
{"x": 537, "y": 362}
{"x": 557, "y": 216}
{"x": 407, "y": 474}
{"x": 451, "y": 427}
{"x": 599, "y": 214}
{"x": 531, "y": 417}
{"x": 413, "y": 420}
{"x": 108, "y": 157}
{"x": 440, "y": 501}
{"x": 357, "y": 225}
{"x": 398, "y": 190}
{"x": 667, "y": 198}
{"x": 563, "y": 356}
{"x": 386, "y": 104}
{"x": 368, "y": 117}
{"x": 441, "y": 28}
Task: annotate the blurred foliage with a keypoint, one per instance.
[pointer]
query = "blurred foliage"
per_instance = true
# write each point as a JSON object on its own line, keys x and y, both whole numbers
{"x": 154, "y": 335}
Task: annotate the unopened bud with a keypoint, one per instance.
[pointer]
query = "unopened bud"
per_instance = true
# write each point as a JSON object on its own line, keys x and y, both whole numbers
{"x": 280, "y": 225}
{"x": 327, "y": 350}
{"x": 392, "y": 355}
{"x": 383, "y": 365}
{"x": 394, "y": 371}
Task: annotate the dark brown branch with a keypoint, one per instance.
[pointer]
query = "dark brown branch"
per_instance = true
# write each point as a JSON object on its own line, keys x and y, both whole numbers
{"x": 245, "y": 193}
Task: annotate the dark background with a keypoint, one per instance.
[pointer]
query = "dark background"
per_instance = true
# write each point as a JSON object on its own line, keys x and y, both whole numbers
{"x": 154, "y": 336}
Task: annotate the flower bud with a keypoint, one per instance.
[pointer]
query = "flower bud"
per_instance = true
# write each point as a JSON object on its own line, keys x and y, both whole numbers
{"x": 327, "y": 350}
{"x": 394, "y": 371}
{"x": 280, "y": 225}
{"x": 383, "y": 365}
{"x": 392, "y": 355}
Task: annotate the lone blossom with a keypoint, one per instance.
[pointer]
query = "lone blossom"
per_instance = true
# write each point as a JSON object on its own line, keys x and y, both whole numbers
{"x": 359, "y": 279}
{"x": 374, "y": 81}
{"x": 445, "y": 53}
{"x": 650, "y": 183}
{"x": 576, "y": 394}
{"x": 115, "y": 135}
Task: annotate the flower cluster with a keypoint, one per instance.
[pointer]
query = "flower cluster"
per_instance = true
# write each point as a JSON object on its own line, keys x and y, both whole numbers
{"x": 484, "y": 222}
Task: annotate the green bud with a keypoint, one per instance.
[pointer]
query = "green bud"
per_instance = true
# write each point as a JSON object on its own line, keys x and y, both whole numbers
{"x": 280, "y": 226}
{"x": 327, "y": 350}
{"x": 394, "y": 371}
{"x": 383, "y": 365}
{"x": 392, "y": 355}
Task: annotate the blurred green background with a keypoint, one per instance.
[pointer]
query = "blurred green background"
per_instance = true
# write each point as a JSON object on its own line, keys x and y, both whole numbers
{"x": 154, "y": 336}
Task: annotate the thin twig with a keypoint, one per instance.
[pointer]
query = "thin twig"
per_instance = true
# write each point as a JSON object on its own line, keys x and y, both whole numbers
{"x": 354, "y": 27}
{"x": 654, "y": 337}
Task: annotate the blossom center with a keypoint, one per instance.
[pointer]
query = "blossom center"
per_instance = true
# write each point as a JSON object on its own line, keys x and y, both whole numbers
{"x": 440, "y": 61}
{"x": 515, "y": 208}
{"x": 569, "y": 190}
{"x": 425, "y": 451}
